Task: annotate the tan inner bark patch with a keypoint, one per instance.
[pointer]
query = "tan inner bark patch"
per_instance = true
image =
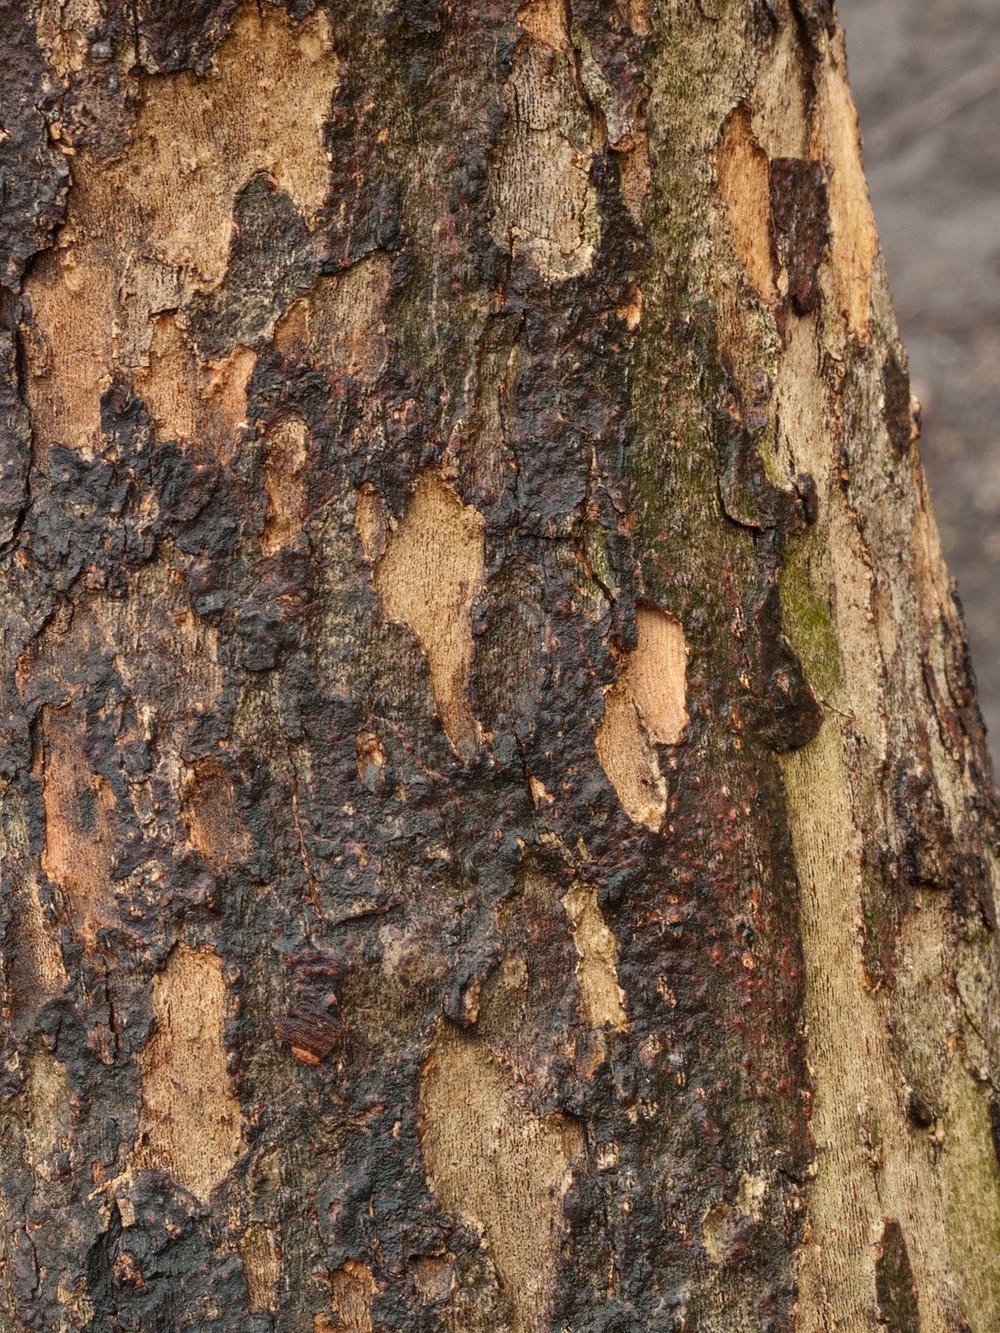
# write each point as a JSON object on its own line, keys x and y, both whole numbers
{"x": 40, "y": 969}
{"x": 48, "y": 1124}
{"x": 148, "y": 229}
{"x": 351, "y": 1290}
{"x": 629, "y": 759}
{"x": 62, "y": 27}
{"x": 287, "y": 456}
{"x": 645, "y": 707}
{"x": 869, "y": 1165}
{"x": 544, "y": 204}
{"x": 193, "y": 401}
{"x": 655, "y": 674}
{"x": 190, "y": 1124}
{"x": 261, "y": 1268}
{"x": 854, "y": 240}
{"x": 545, "y": 20}
{"x": 638, "y": 13}
{"x": 428, "y": 579}
{"x": 79, "y": 824}
{"x": 502, "y": 1169}
{"x": 743, "y": 180}
{"x": 208, "y": 804}
{"x": 601, "y": 997}
{"x": 972, "y": 1196}
{"x": 780, "y": 121}
{"x": 340, "y": 324}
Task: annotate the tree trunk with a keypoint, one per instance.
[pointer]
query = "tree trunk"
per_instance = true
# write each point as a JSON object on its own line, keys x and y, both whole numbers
{"x": 496, "y": 823}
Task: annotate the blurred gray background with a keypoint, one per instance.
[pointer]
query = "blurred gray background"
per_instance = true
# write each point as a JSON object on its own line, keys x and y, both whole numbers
{"x": 926, "y": 79}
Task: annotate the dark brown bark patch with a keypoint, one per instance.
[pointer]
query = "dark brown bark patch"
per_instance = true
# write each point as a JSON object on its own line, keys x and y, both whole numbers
{"x": 801, "y": 226}
{"x": 311, "y": 1036}
{"x": 897, "y": 410}
{"x": 815, "y": 19}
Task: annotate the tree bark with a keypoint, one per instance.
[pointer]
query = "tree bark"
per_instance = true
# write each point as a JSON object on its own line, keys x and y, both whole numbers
{"x": 497, "y": 832}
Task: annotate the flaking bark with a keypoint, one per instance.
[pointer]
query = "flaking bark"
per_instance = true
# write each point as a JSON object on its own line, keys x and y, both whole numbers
{"x": 496, "y": 827}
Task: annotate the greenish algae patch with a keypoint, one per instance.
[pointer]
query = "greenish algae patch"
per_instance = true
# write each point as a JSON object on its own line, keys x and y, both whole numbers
{"x": 807, "y": 623}
{"x": 595, "y": 540}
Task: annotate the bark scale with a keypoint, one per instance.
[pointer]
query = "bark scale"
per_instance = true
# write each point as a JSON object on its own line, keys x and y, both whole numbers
{"x": 496, "y": 827}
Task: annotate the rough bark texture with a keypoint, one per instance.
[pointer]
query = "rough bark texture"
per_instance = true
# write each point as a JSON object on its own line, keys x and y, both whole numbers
{"x": 496, "y": 827}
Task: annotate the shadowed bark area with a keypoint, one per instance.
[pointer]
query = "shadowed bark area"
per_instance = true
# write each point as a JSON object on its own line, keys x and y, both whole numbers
{"x": 497, "y": 834}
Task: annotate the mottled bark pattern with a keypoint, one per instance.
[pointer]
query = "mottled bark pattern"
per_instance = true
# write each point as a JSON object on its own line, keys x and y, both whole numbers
{"x": 496, "y": 828}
